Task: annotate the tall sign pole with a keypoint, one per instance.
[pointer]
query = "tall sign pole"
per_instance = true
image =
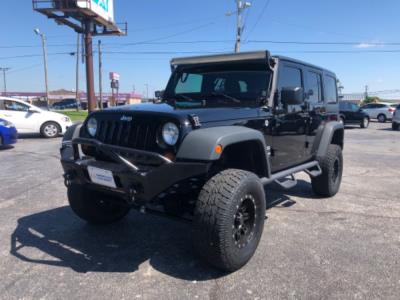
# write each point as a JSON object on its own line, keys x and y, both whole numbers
{"x": 240, "y": 7}
{"x": 91, "y": 97}
{"x": 100, "y": 76}
{"x": 89, "y": 18}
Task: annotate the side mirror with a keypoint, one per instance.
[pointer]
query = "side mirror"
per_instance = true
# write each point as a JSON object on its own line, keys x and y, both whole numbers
{"x": 159, "y": 94}
{"x": 33, "y": 111}
{"x": 292, "y": 95}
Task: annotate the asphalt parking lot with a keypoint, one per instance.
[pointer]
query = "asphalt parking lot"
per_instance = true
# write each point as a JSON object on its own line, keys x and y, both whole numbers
{"x": 343, "y": 248}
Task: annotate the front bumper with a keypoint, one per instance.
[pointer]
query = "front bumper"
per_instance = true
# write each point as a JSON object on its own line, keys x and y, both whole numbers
{"x": 10, "y": 136}
{"x": 137, "y": 184}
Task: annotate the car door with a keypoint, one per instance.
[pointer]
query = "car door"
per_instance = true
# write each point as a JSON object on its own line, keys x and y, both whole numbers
{"x": 314, "y": 105}
{"x": 18, "y": 113}
{"x": 287, "y": 126}
{"x": 356, "y": 114}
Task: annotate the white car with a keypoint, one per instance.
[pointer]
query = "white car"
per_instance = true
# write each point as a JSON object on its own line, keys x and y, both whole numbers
{"x": 28, "y": 118}
{"x": 396, "y": 119}
{"x": 381, "y": 111}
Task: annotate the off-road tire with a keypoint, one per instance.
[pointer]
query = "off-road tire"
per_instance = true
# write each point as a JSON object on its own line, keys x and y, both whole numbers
{"x": 381, "y": 118}
{"x": 218, "y": 215}
{"x": 364, "y": 123}
{"x": 395, "y": 126}
{"x": 328, "y": 183}
{"x": 49, "y": 134}
{"x": 95, "y": 207}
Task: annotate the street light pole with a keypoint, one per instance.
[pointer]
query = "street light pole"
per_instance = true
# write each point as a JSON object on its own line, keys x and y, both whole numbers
{"x": 78, "y": 100}
{"x": 43, "y": 38}
{"x": 100, "y": 76}
{"x": 5, "y": 79}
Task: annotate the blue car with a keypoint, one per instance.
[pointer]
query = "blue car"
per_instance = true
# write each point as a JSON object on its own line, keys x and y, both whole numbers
{"x": 8, "y": 133}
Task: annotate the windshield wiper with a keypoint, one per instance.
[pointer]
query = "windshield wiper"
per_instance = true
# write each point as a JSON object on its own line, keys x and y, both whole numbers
{"x": 226, "y": 96}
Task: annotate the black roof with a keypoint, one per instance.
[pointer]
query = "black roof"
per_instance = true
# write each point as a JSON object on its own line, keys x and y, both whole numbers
{"x": 280, "y": 57}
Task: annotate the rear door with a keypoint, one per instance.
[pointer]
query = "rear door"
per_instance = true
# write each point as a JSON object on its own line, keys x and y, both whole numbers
{"x": 315, "y": 107}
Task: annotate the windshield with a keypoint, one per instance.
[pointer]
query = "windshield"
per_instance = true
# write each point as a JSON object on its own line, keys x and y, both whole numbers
{"x": 233, "y": 85}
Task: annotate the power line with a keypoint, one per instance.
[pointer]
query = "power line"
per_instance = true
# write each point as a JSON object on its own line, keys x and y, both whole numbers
{"x": 267, "y": 2}
{"x": 36, "y": 55}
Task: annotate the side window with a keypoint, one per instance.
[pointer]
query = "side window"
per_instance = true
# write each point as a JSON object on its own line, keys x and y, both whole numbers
{"x": 314, "y": 89}
{"x": 15, "y": 106}
{"x": 354, "y": 107}
{"x": 330, "y": 89}
{"x": 189, "y": 83}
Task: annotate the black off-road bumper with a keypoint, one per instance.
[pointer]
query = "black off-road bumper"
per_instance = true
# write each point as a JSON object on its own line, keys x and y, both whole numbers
{"x": 137, "y": 184}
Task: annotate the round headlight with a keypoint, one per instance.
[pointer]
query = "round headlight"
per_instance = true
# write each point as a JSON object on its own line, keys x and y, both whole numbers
{"x": 170, "y": 133}
{"x": 92, "y": 126}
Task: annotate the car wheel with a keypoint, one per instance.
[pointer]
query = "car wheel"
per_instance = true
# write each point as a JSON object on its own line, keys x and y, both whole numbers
{"x": 229, "y": 219}
{"x": 364, "y": 123}
{"x": 328, "y": 183}
{"x": 395, "y": 126}
{"x": 95, "y": 207}
{"x": 50, "y": 130}
{"x": 1, "y": 141}
{"x": 382, "y": 118}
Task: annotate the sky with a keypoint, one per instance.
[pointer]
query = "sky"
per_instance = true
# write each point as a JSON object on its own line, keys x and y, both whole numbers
{"x": 160, "y": 30}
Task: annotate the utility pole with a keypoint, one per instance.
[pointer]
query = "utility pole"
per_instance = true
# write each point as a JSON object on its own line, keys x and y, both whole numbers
{"x": 100, "y": 76}
{"x": 78, "y": 100}
{"x": 366, "y": 92}
{"x": 91, "y": 98}
{"x": 5, "y": 79}
{"x": 43, "y": 38}
{"x": 147, "y": 91}
{"x": 241, "y": 6}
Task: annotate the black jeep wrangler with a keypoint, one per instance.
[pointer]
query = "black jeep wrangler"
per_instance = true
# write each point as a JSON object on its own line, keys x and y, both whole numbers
{"x": 226, "y": 126}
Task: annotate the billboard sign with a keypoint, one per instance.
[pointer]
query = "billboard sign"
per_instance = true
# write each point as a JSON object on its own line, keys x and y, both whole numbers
{"x": 103, "y": 8}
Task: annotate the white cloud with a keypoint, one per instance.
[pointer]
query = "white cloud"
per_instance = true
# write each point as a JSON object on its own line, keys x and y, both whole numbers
{"x": 366, "y": 45}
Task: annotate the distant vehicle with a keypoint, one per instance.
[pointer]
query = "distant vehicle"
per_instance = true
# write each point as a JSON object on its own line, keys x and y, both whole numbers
{"x": 8, "y": 133}
{"x": 352, "y": 114}
{"x": 28, "y": 118}
{"x": 380, "y": 111}
{"x": 396, "y": 118}
{"x": 66, "y": 104}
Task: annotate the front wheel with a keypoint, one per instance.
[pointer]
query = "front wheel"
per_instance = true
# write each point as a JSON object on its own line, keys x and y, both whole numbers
{"x": 95, "y": 207}
{"x": 50, "y": 130}
{"x": 229, "y": 219}
{"x": 328, "y": 183}
{"x": 364, "y": 123}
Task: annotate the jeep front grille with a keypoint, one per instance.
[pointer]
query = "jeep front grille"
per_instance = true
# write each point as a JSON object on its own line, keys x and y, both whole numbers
{"x": 136, "y": 134}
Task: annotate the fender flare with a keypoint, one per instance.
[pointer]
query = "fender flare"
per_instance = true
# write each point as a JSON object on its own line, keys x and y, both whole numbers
{"x": 325, "y": 137}
{"x": 72, "y": 132}
{"x": 200, "y": 144}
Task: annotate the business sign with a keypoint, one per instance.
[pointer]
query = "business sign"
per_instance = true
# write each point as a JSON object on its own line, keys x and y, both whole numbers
{"x": 114, "y": 76}
{"x": 103, "y": 8}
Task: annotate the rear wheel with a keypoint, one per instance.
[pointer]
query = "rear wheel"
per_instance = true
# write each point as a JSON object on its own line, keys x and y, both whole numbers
{"x": 364, "y": 123}
{"x": 382, "y": 118}
{"x": 328, "y": 183}
{"x": 229, "y": 219}
{"x": 95, "y": 207}
{"x": 50, "y": 130}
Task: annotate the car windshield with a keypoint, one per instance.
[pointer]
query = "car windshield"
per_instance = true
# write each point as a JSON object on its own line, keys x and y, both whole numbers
{"x": 230, "y": 85}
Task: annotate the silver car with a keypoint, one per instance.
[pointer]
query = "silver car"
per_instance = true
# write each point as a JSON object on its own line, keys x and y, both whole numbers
{"x": 396, "y": 119}
{"x": 380, "y": 111}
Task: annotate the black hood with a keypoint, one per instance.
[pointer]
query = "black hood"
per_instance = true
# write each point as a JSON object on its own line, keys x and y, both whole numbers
{"x": 214, "y": 114}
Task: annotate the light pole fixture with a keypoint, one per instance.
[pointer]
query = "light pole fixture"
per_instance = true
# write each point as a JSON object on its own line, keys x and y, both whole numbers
{"x": 43, "y": 38}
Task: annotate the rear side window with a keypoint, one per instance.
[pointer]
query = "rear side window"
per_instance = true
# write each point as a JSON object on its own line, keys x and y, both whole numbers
{"x": 330, "y": 89}
{"x": 314, "y": 87}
